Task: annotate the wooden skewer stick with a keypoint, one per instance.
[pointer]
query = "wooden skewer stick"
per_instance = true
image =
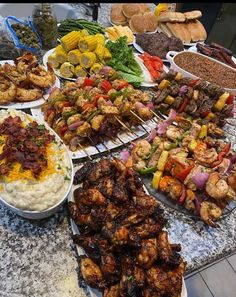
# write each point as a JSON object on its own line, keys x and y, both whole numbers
{"x": 140, "y": 120}
{"x": 85, "y": 151}
{"x": 126, "y": 127}
{"x": 94, "y": 144}
{"x": 156, "y": 115}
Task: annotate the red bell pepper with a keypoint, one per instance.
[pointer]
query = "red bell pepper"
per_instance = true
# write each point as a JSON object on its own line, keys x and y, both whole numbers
{"x": 122, "y": 85}
{"x": 66, "y": 104}
{"x": 230, "y": 99}
{"x": 183, "y": 105}
{"x": 87, "y": 106}
{"x": 205, "y": 113}
{"x": 106, "y": 85}
{"x": 222, "y": 154}
{"x": 183, "y": 195}
{"x": 48, "y": 112}
{"x": 88, "y": 82}
{"x": 193, "y": 82}
{"x": 95, "y": 100}
{"x": 63, "y": 129}
{"x": 183, "y": 174}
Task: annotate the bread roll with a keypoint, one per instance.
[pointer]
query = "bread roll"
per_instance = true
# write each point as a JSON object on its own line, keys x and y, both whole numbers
{"x": 171, "y": 16}
{"x": 138, "y": 24}
{"x": 144, "y": 8}
{"x": 191, "y": 15}
{"x": 150, "y": 20}
{"x": 130, "y": 9}
{"x": 197, "y": 31}
{"x": 165, "y": 30}
{"x": 180, "y": 31}
{"x": 117, "y": 17}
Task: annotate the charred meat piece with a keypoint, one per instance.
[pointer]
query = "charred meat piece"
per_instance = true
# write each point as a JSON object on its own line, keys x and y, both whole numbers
{"x": 116, "y": 234}
{"x": 83, "y": 172}
{"x": 113, "y": 291}
{"x": 92, "y": 197}
{"x": 148, "y": 253}
{"x": 91, "y": 272}
{"x": 147, "y": 202}
{"x": 119, "y": 193}
{"x": 150, "y": 227}
{"x": 100, "y": 169}
{"x": 105, "y": 186}
{"x": 110, "y": 268}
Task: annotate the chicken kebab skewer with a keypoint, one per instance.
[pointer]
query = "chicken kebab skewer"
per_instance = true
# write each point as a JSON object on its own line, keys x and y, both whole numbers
{"x": 96, "y": 107}
{"x": 191, "y": 163}
{"x": 121, "y": 231}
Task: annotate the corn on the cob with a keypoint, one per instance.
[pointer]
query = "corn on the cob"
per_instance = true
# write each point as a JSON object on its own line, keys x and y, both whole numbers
{"x": 80, "y": 71}
{"x": 100, "y": 38}
{"x": 87, "y": 43}
{"x": 87, "y": 60}
{"x": 106, "y": 54}
{"x": 96, "y": 68}
{"x": 60, "y": 54}
{"x": 67, "y": 69}
{"x": 73, "y": 56}
{"x": 70, "y": 40}
{"x": 99, "y": 51}
{"x": 53, "y": 60}
{"x": 84, "y": 32}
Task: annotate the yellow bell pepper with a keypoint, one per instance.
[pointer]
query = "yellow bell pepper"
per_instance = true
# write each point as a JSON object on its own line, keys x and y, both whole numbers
{"x": 162, "y": 160}
{"x": 178, "y": 76}
{"x": 192, "y": 145}
{"x": 156, "y": 179}
{"x": 163, "y": 84}
{"x": 203, "y": 132}
{"x": 169, "y": 100}
{"x": 221, "y": 101}
{"x": 210, "y": 116}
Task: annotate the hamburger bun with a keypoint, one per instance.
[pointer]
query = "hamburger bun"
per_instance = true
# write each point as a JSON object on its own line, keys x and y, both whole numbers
{"x": 144, "y": 8}
{"x": 138, "y": 23}
{"x": 197, "y": 30}
{"x": 192, "y": 15}
{"x": 171, "y": 16}
{"x": 150, "y": 20}
{"x": 117, "y": 17}
{"x": 180, "y": 31}
{"x": 130, "y": 10}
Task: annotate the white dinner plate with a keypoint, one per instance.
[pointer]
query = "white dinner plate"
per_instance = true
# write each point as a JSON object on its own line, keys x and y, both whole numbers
{"x": 30, "y": 104}
{"x": 56, "y": 71}
{"x": 148, "y": 82}
{"x": 141, "y": 51}
{"x": 80, "y": 251}
{"x": 91, "y": 150}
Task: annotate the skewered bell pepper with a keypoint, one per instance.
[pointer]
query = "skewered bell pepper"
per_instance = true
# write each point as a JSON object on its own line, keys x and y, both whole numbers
{"x": 182, "y": 198}
{"x": 178, "y": 76}
{"x": 148, "y": 170}
{"x": 221, "y": 101}
{"x": 162, "y": 160}
{"x": 184, "y": 173}
{"x": 88, "y": 82}
{"x": 192, "y": 145}
{"x": 106, "y": 85}
{"x": 222, "y": 154}
{"x": 68, "y": 114}
{"x": 203, "y": 132}
{"x": 210, "y": 116}
{"x": 156, "y": 179}
{"x": 163, "y": 84}
{"x": 230, "y": 99}
{"x": 152, "y": 151}
{"x": 169, "y": 100}
{"x": 183, "y": 105}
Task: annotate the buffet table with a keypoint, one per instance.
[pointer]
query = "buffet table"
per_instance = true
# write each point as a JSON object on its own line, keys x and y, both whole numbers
{"x": 38, "y": 258}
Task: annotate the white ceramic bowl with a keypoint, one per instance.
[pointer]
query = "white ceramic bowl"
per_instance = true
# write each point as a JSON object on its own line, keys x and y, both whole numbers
{"x": 172, "y": 54}
{"x": 36, "y": 215}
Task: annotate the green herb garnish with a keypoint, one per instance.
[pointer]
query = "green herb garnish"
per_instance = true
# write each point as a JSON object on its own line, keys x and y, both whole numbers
{"x": 130, "y": 278}
{"x": 1, "y": 142}
{"x": 66, "y": 177}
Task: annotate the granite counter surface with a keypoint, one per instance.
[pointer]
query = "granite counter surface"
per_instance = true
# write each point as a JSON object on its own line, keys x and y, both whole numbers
{"x": 38, "y": 259}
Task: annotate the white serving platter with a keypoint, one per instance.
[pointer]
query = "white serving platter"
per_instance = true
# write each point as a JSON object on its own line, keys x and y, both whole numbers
{"x": 30, "y": 104}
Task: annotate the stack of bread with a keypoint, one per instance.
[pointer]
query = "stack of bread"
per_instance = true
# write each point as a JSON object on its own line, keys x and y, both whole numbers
{"x": 184, "y": 26}
{"x": 138, "y": 16}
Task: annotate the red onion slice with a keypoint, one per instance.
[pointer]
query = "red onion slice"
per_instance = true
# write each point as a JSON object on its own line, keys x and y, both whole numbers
{"x": 75, "y": 125}
{"x": 233, "y": 158}
{"x": 150, "y": 105}
{"x": 138, "y": 105}
{"x": 152, "y": 135}
{"x": 172, "y": 116}
{"x": 109, "y": 103}
{"x": 183, "y": 90}
{"x": 200, "y": 179}
{"x": 124, "y": 156}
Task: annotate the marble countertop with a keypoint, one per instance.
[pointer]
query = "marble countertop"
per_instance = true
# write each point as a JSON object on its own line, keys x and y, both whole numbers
{"x": 38, "y": 258}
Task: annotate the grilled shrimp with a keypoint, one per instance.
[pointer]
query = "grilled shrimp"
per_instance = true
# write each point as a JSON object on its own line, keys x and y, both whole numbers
{"x": 216, "y": 187}
{"x": 205, "y": 156}
{"x": 41, "y": 77}
{"x": 7, "y": 91}
{"x": 209, "y": 213}
{"x": 171, "y": 186}
{"x": 25, "y": 95}
{"x": 174, "y": 132}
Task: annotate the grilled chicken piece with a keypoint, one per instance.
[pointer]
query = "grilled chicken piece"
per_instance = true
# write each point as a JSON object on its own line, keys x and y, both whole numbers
{"x": 119, "y": 166}
{"x": 164, "y": 247}
{"x": 84, "y": 130}
{"x": 92, "y": 197}
{"x": 147, "y": 202}
{"x": 105, "y": 186}
{"x": 119, "y": 193}
{"x": 91, "y": 272}
{"x": 110, "y": 268}
{"x": 101, "y": 169}
{"x": 166, "y": 282}
{"x": 82, "y": 173}
{"x": 109, "y": 110}
{"x": 112, "y": 211}
{"x": 113, "y": 291}
{"x": 116, "y": 234}
{"x": 97, "y": 121}
{"x": 148, "y": 253}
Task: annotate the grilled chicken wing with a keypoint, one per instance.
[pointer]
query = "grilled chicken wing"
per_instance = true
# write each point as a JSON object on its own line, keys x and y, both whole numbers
{"x": 147, "y": 202}
{"x": 100, "y": 169}
{"x": 92, "y": 197}
{"x": 149, "y": 227}
{"x": 105, "y": 186}
{"x": 113, "y": 291}
{"x": 148, "y": 253}
{"x": 83, "y": 172}
{"x": 110, "y": 268}
{"x": 165, "y": 250}
{"x": 91, "y": 272}
{"x": 116, "y": 234}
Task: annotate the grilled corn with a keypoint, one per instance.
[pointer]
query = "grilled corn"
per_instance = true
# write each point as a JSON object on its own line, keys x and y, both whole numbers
{"x": 100, "y": 38}
{"x": 80, "y": 71}
{"x": 99, "y": 51}
{"x": 52, "y": 59}
{"x": 67, "y": 69}
{"x": 70, "y": 40}
{"x": 88, "y": 43}
{"x": 60, "y": 54}
{"x": 73, "y": 56}
{"x": 87, "y": 60}
{"x": 96, "y": 68}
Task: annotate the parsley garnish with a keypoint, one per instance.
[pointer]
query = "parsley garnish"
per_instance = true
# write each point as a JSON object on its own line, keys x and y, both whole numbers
{"x": 59, "y": 166}
{"x": 41, "y": 127}
{"x": 67, "y": 178}
{"x": 167, "y": 225}
{"x": 1, "y": 142}
{"x": 130, "y": 278}
{"x": 39, "y": 142}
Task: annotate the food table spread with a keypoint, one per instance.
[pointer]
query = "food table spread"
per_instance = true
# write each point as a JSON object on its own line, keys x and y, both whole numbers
{"x": 38, "y": 258}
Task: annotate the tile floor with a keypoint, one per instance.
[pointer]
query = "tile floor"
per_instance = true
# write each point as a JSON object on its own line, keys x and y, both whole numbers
{"x": 215, "y": 280}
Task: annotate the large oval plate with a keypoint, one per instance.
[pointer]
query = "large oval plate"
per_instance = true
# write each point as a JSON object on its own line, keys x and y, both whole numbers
{"x": 108, "y": 145}
{"x": 80, "y": 251}
{"x": 25, "y": 105}
{"x": 50, "y": 211}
